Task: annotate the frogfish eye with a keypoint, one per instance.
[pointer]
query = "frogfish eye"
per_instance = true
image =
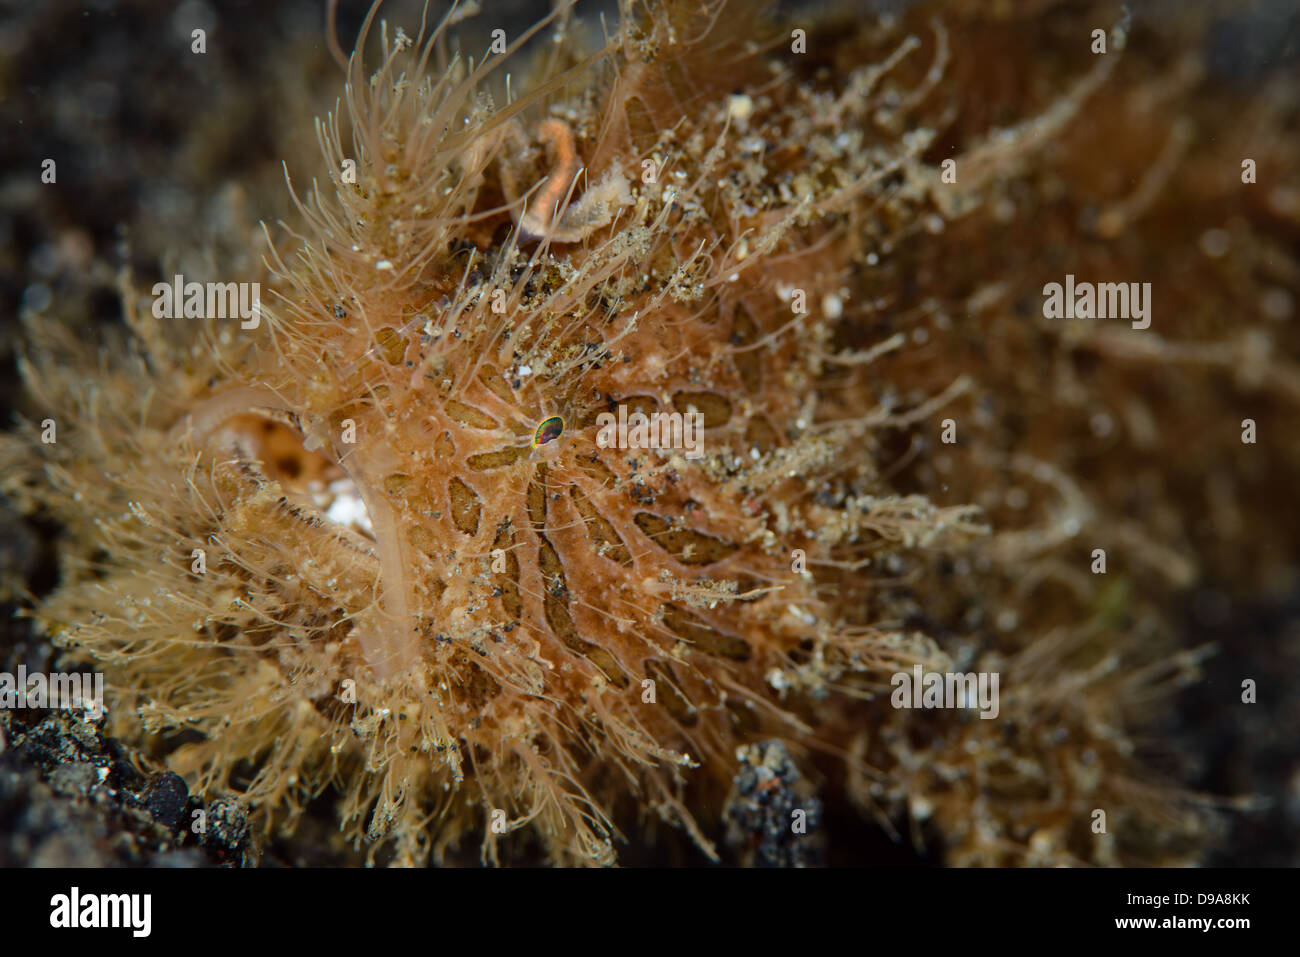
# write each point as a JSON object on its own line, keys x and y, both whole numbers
{"x": 548, "y": 431}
